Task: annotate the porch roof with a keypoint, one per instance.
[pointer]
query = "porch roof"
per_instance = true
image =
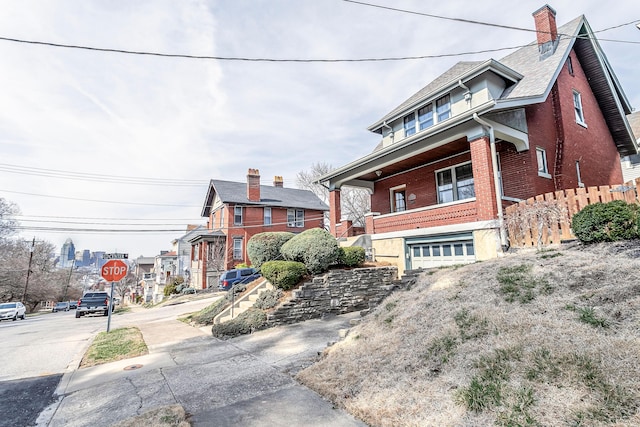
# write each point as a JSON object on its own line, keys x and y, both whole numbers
{"x": 206, "y": 236}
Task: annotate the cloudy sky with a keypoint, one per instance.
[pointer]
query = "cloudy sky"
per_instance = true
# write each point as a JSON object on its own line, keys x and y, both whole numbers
{"x": 96, "y": 140}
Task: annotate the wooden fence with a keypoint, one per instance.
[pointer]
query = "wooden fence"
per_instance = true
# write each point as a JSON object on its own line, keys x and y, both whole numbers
{"x": 546, "y": 218}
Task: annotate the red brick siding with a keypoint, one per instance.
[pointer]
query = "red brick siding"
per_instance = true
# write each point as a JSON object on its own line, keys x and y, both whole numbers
{"x": 448, "y": 215}
{"x": 421, "y": 182}
{"x": 594, "y": 145}
{"x": 483, "y": 179}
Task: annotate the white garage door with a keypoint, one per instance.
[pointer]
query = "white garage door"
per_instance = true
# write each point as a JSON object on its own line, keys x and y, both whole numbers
{"x": 438, "y": 254}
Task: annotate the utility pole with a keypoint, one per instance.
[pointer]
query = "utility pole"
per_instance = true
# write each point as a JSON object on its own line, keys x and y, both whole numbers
{"x": 31, "y": 249}
{"x": 64, "y": 297}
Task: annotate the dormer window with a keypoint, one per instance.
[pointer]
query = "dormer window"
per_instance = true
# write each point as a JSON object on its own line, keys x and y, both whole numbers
{"x": 443, "y": 108}
{"x": 409, "y": 124}
{"x": 425, "y": 117}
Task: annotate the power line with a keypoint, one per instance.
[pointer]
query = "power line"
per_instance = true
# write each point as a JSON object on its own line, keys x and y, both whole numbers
{"x": 447, "y": 18}
{"x": 239, "y": 58}
{"x": 56, "y": 173}
{"x": 108, "y": 219}
{"x": 101, "y": 201}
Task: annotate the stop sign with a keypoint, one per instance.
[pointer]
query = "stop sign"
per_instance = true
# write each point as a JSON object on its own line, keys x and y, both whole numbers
{"x": 114, "y": 270}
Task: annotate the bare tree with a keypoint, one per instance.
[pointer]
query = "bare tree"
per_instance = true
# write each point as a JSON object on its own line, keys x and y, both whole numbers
{"x": 355, "y": 202}
{"x": 217, "y": 254}
{"x": 540, "y": 216}
{"x": 7, "y": 223}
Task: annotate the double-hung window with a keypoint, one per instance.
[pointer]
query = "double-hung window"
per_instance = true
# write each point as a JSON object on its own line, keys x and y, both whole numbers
{"x": 543, "y": 169}
{"x": 425, "y": 116}
{"x": 455, "y": 183}
{"x": 443, "y": 108}
{"x": 237, "y": 248}
{"x": 237, "y": 215}
{"x": 577, "y": 106}
{"x": 295, "y": 218}
{"x": 398, "y": 199}
{"x": 267, "y": 216}
{"x": 409, "y": 124}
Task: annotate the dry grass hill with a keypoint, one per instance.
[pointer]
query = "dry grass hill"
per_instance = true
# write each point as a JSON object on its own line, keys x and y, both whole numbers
{"x": 547, "y": 338}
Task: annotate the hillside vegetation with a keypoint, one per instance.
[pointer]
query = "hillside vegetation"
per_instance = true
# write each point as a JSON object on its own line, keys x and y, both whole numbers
{"x": 547, "y": 338}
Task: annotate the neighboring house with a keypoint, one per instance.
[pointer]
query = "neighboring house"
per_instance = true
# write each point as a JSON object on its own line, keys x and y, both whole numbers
{"x": 145, "y": 276}
{"x": 182, "y": 247}
{"x": 165, "y": 267}
{"x": 236, "y": 211}
{"x": 485, "y": 134}
{"x": 631, "y": 164}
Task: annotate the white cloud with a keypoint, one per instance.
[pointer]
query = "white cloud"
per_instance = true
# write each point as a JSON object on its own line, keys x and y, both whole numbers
{"x": 129, "y": 115}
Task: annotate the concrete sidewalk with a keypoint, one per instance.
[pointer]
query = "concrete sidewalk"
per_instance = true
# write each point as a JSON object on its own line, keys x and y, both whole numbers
{"x": 244, "y": 381}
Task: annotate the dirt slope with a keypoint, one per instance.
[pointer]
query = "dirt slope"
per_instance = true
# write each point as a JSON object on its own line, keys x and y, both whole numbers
{"x": 534, "y": 338}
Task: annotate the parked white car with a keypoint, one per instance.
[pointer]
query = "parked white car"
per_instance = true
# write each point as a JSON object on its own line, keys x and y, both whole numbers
{"x": 12, "y": 310}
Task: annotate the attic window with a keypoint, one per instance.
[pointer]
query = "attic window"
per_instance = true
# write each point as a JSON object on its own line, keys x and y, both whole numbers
{"x": 570, "y": 66}
{"x": 577, "y": 105}
{"x": 409, "y": 124}
{"x": 443, "y": 108}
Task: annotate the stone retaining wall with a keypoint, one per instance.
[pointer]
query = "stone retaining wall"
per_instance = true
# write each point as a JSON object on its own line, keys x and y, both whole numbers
{"x": 337, "y": 292}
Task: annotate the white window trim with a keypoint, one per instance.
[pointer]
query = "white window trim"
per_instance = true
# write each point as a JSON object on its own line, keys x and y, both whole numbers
{"x": 234, "y": 215}
{"x": 545, "y": 173}
{"x": 453, "y": 167}
{"x": 578, "y": 109}
{"x": 239, "y": 257}
{"x": 264, "y": 216}
{"x": 392, "y": 200}
{"x": 298, "y": 220}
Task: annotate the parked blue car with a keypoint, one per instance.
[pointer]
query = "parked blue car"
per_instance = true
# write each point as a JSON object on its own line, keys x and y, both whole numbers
{"x": 231, "y": 277}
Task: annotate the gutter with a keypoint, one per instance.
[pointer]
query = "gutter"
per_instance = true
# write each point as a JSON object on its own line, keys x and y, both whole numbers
{"x": 496, "y": 181}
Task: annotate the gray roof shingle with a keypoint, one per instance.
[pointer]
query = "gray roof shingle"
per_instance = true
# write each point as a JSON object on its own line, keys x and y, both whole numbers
{"x": 236, "y": 193}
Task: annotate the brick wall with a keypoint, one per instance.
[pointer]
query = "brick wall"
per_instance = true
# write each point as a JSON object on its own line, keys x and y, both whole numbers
{"x": 421, "y": 182}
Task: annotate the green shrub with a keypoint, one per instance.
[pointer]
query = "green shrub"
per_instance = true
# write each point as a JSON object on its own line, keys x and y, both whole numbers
{"x": 264, "y": 247}
{"x": 316, "y": 248}
{"x": 606, "y": 222}
{"x": 268, "y": 299}
{"x": 352, "y": 256}
{"x": 169, "y": 289}
{"x": 246, "y": 322}
{"x": 283, "y": 274}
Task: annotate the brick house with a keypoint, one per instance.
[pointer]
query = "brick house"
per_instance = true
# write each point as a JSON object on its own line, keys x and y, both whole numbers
{"x": 483, "y": 135}
{"x": 236, "y": 211}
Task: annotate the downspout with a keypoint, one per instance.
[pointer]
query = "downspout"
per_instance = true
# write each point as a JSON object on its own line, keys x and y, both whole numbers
{"x": 385, "y": 125}
{"x": 467, "y": 94}
{"x": 496, "y": 181}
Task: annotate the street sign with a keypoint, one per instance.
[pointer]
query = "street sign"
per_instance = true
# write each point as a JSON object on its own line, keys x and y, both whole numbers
{"x": 114, "y": 270}
{"x": 115, "y": 256}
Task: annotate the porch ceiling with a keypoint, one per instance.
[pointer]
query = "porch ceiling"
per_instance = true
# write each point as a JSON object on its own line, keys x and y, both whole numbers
{"x": 419, "y": 159}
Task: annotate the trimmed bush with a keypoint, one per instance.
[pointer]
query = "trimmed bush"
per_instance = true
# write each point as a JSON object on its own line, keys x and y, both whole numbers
{"x": 268, "y": 299}
{"x": 283, "y": 274}
{"x": 246, "y": 322}
{"x": 352, "y": 256}
{"x": 606, "y": 222}
{"x": 264, "y": 247}
{"x": 316, "y": 248}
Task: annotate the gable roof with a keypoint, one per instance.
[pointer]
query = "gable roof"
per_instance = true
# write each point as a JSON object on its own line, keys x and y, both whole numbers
{"x": 230, "y": 192}
{"x": 534, "y": 78}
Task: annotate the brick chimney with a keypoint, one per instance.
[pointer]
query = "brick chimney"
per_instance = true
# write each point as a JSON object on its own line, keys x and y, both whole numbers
{"x": 278, "y": 182}
{"x": 546, "y": 30}
{"x": 253, "y": 185}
